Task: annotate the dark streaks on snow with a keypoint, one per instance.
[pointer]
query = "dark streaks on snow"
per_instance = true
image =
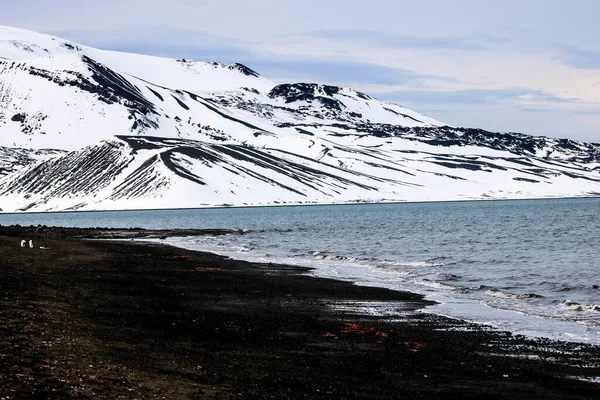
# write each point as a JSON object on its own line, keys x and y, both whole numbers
{"x": 471, "y": 167}
{"x": 522, "y": 145}
{"x": 109, "y": 86}
{"x": 579, "y": 176}
{"x": 305, "y": 132}
{"x": 13, "y": 159}
{"x": 457, "y": 178}
{"x": 526, "y": 180}
{"x": 536, "y": 171}
{"x": 119, "y": 87}
{"x": 156, "y": 94}
{"x": 372, "y": 177}
{"x": 401, "y": 114}
{"x": 229, "y": 157}
{"x": 204, "y": 102}
{"x": 86, "y": 171}
{"x": 268, "y": 162}
{"x": 522, "y": 161}
{"x": 372, "y": 153}
{"x": 142, "y": 143}
{"x": 81, "y": 172}
{"x": 144, "y": 181}
{"x": 181, "y": 103}
{"x": 467, "y": 160}
{"x": 377, "y": 165}
{"x": 76, "y": 207}
{"x": 169, "y": 158}
{"x": 192, "y": 95}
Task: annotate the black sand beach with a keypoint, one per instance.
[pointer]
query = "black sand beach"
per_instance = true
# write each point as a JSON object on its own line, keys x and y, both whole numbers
{"x": 124, "y": 320}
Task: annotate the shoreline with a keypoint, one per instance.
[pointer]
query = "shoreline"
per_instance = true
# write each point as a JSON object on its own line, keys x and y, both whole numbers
{"x": 115, "y": 319}
{"x": 443, "y": 305}
{"x": 345, "y": 203}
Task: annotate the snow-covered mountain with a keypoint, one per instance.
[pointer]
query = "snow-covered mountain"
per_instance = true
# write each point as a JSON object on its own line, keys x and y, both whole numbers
{"x": 135, "y": 131}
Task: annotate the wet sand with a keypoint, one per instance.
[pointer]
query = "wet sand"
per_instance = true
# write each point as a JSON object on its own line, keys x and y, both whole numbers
{"x": 97, "y": 319}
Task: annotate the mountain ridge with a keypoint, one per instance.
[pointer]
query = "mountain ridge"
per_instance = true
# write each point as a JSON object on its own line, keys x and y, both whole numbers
{"x": 136, "y": 131}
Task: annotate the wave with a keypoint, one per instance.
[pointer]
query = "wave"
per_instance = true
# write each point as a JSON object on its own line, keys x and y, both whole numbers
{"x": 410, "y": 264}
{"x": 438, "y": 285}
{"x": 334, "y": 257}
{"x": 450, "y": 277}
{"x": 578, "y": 288}
{"x": 574, "y": 306}
{"x": 509, "y": 295}
{"x": 321, "y": 255}
{"x": 277, "y": 230}
{"x": 439, "y": 260}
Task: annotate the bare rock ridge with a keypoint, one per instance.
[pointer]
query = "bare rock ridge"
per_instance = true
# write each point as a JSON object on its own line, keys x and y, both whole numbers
{"x": 132, "y": 131}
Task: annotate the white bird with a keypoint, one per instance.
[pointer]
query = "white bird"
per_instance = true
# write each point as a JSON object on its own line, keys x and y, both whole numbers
{"x": 31, "y": 244}
{"x": 23, "y": 243}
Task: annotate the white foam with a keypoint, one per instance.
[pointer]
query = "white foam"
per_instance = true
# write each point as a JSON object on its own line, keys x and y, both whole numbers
{"x": 437, "y": 285}
{"x": 508, "y": 295}
{"x": 513, "y": 320}
{"x": 574, "y": 306}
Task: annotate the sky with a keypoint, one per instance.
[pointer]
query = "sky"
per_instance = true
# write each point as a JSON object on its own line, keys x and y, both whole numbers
{"x": 530, "y": 66}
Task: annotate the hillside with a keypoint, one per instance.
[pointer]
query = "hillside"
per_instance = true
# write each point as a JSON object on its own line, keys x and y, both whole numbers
{"x": 134, "y": 131}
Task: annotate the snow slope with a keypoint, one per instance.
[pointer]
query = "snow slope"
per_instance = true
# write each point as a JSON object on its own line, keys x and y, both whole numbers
{"x": 151, "y": 132}
{"x": 53, "y": 90}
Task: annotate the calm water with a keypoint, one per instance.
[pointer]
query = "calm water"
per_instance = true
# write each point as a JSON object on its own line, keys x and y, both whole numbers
{"x": 530, "y": 266}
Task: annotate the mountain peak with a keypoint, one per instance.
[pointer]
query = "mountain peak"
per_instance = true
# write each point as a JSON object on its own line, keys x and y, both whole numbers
{"x": 243, "y": 69}
{"x": 21, "y": 44}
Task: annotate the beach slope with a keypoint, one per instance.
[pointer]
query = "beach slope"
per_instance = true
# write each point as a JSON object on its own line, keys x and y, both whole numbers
{"x": 97, "y": 319}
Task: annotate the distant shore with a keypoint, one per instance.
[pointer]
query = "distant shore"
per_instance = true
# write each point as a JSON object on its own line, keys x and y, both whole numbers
{"x": 292, "y": 204}
{"x": 103, "y": 319}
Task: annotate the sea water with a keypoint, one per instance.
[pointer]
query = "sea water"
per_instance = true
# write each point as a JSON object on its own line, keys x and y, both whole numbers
{"x": 528, "y": 266}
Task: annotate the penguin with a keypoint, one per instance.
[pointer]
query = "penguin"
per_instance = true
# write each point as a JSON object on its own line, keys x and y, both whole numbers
{"x": 23, "y": 243}
{"x": 31, "y": 244}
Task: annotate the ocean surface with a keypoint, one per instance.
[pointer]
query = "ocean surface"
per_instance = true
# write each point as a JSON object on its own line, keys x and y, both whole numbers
{"x": 528, "y": 266}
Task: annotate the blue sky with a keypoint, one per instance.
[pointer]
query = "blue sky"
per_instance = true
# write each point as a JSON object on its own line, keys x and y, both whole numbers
{"x": 529, "y": 66}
